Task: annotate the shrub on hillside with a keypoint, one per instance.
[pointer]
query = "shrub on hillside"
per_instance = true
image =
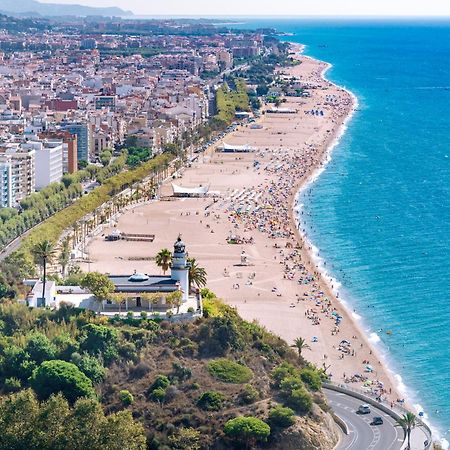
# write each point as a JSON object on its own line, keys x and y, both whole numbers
{"x": 40, "y": 348}
{"x": 90, "y": 365}
{"x": 12, "y": 385}
{"x": 281, "y": 416}
{"x": 56, "y": 376}
{"x": 247, "y": 430}
{"x": 311, "y": 377}
{"x": 161, "y": 381}
{"x": 248, "y": 395}
{"x": 299, "y": 399}
{"x": 229, "y": 371}
{"x": 283, "y": 371}
{"x": 126, "y": 397}
{"x": 211, "y": 401}
{"x": 158, "y": 395}
{"x": 185, "y": 439}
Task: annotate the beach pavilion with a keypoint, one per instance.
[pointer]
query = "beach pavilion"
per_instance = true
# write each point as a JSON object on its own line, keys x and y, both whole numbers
{"x": 227, "y": 148}
{"x": 182, "y": 191}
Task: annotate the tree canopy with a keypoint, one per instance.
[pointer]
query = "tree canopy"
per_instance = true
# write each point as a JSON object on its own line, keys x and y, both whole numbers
{"x": 56, "y": 376}
{"x": 54, "y": 424}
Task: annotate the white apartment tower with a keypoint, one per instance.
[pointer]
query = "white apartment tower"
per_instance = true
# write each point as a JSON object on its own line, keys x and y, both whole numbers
{"x": 49, "y": 162}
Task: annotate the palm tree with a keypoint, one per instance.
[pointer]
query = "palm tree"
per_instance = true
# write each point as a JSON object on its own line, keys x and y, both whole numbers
{"x": 197, "y": 274}
{"x": 64, "y": 255}
{"x": 164, "y": 259}
{"x": 408, "y": 422}
{"x": 300, "y": 344}
{"x": 43, "y": 253}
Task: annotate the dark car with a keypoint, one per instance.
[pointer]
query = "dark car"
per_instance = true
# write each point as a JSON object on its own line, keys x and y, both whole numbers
{"x": 377, "y": 421}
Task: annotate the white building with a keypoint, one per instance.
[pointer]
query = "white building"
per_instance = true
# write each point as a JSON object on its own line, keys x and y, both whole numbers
{"x": 22, "y": 162}
{"x": 49, "y": 162}
{"x": 134, "y": 287}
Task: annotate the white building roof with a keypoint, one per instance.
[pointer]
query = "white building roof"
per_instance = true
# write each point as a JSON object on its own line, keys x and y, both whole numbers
{"x": 236, "y": 148}
{"x": 187, "y": 191}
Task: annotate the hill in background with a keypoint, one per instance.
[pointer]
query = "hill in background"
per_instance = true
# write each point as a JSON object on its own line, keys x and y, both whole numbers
{"x": 33, "y": 7}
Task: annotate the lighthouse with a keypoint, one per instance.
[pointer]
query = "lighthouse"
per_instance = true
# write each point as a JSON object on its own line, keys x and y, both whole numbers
{"x": 180, "y": 267}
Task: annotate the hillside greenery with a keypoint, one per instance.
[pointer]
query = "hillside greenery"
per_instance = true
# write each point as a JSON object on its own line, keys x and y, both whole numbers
{"x": 158, "y": 385}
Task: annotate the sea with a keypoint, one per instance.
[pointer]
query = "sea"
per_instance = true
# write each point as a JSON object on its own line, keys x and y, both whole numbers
{"x": 379, "y": 214}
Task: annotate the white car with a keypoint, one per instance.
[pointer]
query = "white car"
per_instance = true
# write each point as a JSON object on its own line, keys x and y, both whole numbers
{"x": 364, "y": 409}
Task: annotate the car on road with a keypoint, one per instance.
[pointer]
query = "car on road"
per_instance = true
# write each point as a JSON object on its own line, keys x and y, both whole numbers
{"x": 377, "y": 421}
{"x": 364, "y": 409}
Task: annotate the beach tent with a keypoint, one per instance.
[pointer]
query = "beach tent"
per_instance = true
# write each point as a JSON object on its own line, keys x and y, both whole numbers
{"x": 226, "y": 148}
{"x": 181, "y": 191}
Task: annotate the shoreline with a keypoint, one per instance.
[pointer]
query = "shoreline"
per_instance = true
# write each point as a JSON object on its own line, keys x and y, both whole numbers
{"x": 269, "y": 296}
{"x": 312, "y": 251}
{"x": 308, "y": 246}
{"x": 372, "y": 338}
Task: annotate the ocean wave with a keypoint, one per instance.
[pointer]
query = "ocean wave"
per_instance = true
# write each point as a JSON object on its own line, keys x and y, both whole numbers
{"x": 374, "y": 338}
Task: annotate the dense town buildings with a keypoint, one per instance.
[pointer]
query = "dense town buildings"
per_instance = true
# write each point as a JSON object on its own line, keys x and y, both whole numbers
{"x": 66, "y": 98}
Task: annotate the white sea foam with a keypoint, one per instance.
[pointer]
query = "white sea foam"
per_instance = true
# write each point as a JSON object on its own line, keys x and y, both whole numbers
{"x": 374, "y": 338}
{"x": 356, "y": 316}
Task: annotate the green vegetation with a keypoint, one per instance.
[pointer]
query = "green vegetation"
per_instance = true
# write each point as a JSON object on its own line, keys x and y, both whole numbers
{"x": 211, "y": 401}
{"x": 295, "y": 395}
{"x": 126, "y": 397}
{"x": 137, "y": 155}
{"x": 229, "y": 101}
{"x": 229, "y": 371}
{"x": 281, "y": 416}
{"x": 105, "y": 157}
{"x": 197, "y": 274}
{"x": 408, "y": 422}
{"x": 56, "y": 376}
{"x": 98, "y": 284}
{"x": 185, "y": 439}
{"x": 312, "y": 378}
{"x": 247, "y": 430}
{"x": 160, "y": 372}
{"x": 249, "y": 395}
{"x": 54, "y": 424}
{"x": 43, "y": 253}
{"x": 164, "y": 259}
{"x": 36, "y": 208}
{"x": 300, "y": 344}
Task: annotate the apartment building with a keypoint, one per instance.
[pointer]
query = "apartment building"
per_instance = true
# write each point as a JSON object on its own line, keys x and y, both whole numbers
{"x": 6, "y": 185}
{"x": 23, "y": 174}
{"x": 48, "y": 161}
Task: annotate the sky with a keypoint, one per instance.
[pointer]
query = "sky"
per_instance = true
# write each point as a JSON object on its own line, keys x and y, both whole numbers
{"x": 275, "y": 7}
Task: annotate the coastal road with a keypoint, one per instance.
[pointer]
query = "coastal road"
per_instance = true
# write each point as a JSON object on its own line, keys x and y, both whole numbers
{"x": 362, "y": 435}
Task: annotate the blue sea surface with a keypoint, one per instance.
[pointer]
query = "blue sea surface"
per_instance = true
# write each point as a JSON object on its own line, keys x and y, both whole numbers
{"x": 380, "y": 212}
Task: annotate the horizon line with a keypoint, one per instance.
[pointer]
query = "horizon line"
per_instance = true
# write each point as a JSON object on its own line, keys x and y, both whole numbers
{"x": 307, "y": 16}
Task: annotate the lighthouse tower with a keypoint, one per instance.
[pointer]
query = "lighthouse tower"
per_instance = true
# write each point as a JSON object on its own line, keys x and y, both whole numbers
{"x": 180, "y": 267}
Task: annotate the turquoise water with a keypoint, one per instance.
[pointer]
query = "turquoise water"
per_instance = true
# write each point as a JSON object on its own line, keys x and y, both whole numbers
{"x": 380, "y": 213}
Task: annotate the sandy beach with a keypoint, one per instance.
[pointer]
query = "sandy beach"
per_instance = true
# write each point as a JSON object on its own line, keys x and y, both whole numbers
{"x": 276, "y": 282}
